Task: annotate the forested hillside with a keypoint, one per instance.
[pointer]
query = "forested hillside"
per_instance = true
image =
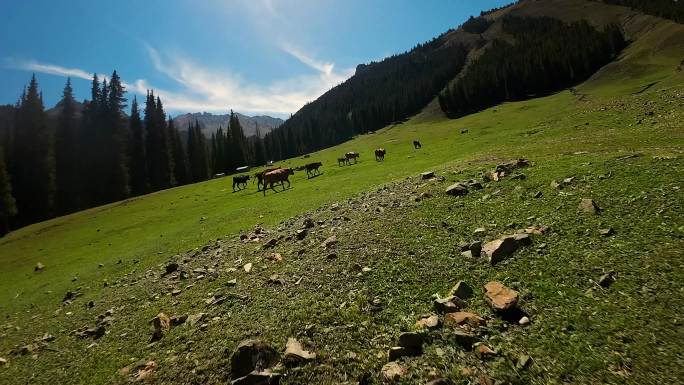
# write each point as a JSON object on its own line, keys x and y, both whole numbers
{"x": 668, "y": 9}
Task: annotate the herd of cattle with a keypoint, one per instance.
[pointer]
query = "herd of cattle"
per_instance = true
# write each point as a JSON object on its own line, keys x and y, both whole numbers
{"x": 271, "y": 177}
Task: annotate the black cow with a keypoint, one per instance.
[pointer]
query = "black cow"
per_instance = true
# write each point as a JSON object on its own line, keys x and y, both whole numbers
{"x": 312, "y": 169}
{"x": 240, "y": 181}
{"x": 416, "y": 144}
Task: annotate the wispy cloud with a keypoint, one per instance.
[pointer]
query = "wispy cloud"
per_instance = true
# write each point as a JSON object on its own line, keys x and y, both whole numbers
{"x": 205, "y": 89}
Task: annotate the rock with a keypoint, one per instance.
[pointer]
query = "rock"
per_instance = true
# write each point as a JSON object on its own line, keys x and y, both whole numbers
{"x": 195, "y": 318}
{"x": 475, "y": 185}
{"x": 500, "y": 249}
{"x": 308, "y": 223}
{"x": 274, "y": 279}
{"x": 330, "y": 242}
{"x": 231, "y": 282}
{"x": 393, "y": 372}
{"x": 147, "y": 372}
{"x": 265, "y": 377}
{"x": 555, "y": 185}
{"x": 479, "y": 231}
{"x": 463, "y": 318}
{"x": 428, "y": 322}
{"x": 475, "y": 249}
{"x": 301, "y": 234}
{"x": 427, "y": 175}
{"x": 538, "y": 194}
{"x": 411, "y": 340}
{"x": 457, "y": 189}
{"x": 524, "y": 321}
{"x": 607, "y": 279}
{"x": 247, "y": 267}
{"x": 176, "y": 292}
{"x": 484, "y": 352}
{"x": 464, "y": 338}
{"x": 398, "y": 352}
{"x": 295, "y": 354}
{"x": 467, "y": 254}
{"x": 39, "y": 267}
{"x": 178, "y": 320}
{"x": 275, "y": 257}
{"x": 500, "y": 297}
{"x": 589, "y": 206}
{"x": 523, "y": 239}
{"x": 70, "y": 296}
{"x": 448, "y": 305}
{"x": 271, "y": 243}
{"x": 252, "y": 355}
{"x": 606, "y": 232}
{"x": 3, "y": 362}
{"x": 160, "y": 325}
{"x": 171, "y": 267}
{"x": 462, "y": 290}
{"x": 523, "y": 361}
{"x": 518, "y": 177}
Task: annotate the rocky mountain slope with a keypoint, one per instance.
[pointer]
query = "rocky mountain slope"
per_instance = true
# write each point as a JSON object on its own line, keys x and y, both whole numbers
{"x": 210, "y": 123}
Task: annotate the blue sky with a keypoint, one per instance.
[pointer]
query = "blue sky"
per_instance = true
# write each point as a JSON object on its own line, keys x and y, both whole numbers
{"x": 253, "y": 56}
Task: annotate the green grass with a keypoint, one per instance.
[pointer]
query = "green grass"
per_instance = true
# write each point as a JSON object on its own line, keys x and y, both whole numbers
{"x": 574, "y": 338}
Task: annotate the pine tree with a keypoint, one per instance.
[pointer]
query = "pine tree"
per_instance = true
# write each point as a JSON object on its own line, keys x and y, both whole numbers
{"x": 238, "y": 142}
{"x": 138, "y": 162}
{"x": 66, "y": 154}
{"x": 259, "y": 152}
{"x": 158, "y": 154}
{"x": 180, "y": 157}
{"x": 197, "y": 154}
{"x": 8, "y": 207}
{"x": 115, "y": 140}
{"x": 33, "y": 168}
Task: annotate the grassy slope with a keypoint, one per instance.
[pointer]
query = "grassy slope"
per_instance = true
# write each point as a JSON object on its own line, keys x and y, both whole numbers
{"x": 152, "y": 228}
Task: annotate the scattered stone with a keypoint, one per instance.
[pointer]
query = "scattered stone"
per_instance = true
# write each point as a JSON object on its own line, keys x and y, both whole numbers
{"x": 475, "y": 248}
{"x": 160, "y": 325}
{"x": 500, "y": 297}
{"x": 523, "y": 361}
{"x": 475, "y": 185}
{"x": 464, "y": 338}
{"x": 500, "y": 249}
{"x": 70, "y": 296}
{"x": 479, "y": 231}
{"x": 411, "y": 340}
{"x": 462, "y": 290}
{"x": 195, "y": 318}
{"x": 178, "y": 320}
{"x": 275, "y": 257}
{"x": 330, "y": 242}
{"x": 484, "y": 352}
{"x": 39, "y": 267}
{"x": 427, "y": 175}
{"x": 301, "y": 234}
{"x": 606, "y": 232}
{"x": 331, "y": 256}
{"x": 589, "y": 206}
{"x": 231, "y": 282}
{"x": 607, "y": 279}
{"x": 393, "y": 372}
{"x": 555, "y": 185}
{"x": 271, "y": 243}
{"x": 398, "y": 352}
{"x": 176, "y": 292}
{"x": 171, "y": 267}
{"x": 147, "y": 372}
{"x": 308, "y": 223}
{"x": 428, "y": 322}
{"x": 252, "y": 355}
{"x": 3, "y": 362}
{"x": 276, "y": 280}
{"x": 524, "y": 321}
{"x": 463, "y": 318}
{"x": 523, "y": 239}
{"x": 448, "y": 304}
{"x": 247, "y": 267}
{"x": 457, "y": 189}
{"x": 295, "y": 353}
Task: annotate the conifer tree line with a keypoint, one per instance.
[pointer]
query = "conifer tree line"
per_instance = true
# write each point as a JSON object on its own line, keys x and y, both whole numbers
{"x": 94, "y": 153}
{"x": 548, "y": 55}
{"x": 668, "y": 9}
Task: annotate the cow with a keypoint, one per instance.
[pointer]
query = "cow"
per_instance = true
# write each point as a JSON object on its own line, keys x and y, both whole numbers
{"x": 416, "y": 144}
{"x": 342, "y": 161}
{"x": 259, "y": 177}
{"x": 380, "y": 154}
{"x": 280, "y": 175}
{"x": 312, "y": 169}
{"x": 352, "y": 155}
{"x": 240, "y": 181}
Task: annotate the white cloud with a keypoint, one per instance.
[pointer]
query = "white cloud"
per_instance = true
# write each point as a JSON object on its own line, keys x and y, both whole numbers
{"x": 204, "y": 89}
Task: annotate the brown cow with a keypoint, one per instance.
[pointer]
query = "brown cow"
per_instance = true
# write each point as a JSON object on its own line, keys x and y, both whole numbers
{"x": 277, "y": 176}
{"x": 259, "y": 177}
{"x": 380, "y": 154}
{"x": 352, "y": 155}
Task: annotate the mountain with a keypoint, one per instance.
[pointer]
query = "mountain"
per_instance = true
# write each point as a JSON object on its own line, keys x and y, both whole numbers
{"x": 527, "y": 49}
{"x": 210, "y": 122}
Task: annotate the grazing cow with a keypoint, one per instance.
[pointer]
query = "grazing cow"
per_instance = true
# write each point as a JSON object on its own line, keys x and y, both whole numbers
{"x": 240, "y": 181}
{"x": 313, "y": 169}
{"x": 259, "y": 177}
{"x": 280, "y": 175}
{"x": 342, "y": 161}
{"x": 416, "y": 144}
{"x": 352, "y": 155}
{"x": 380, "y": 154}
